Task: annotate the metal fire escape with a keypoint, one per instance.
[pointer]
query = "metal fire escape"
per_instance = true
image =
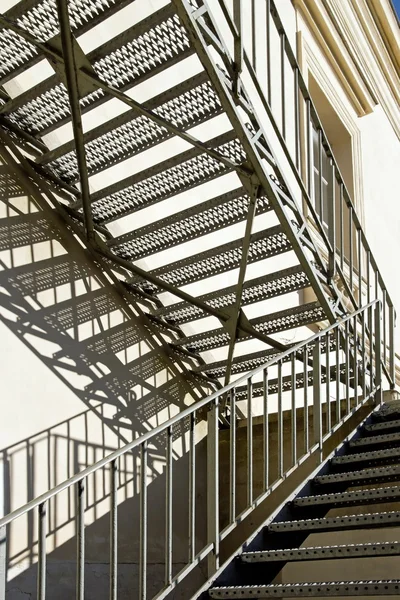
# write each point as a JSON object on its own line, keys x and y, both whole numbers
{"x": 250, "y": 172}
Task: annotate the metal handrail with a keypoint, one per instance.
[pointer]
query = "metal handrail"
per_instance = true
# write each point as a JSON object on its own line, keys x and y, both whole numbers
{"x": 356, "y": 349}
{"x": 178, "y": 417}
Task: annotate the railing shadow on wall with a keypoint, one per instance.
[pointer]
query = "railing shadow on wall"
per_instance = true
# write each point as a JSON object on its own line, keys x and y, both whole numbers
{"x": 56, "y": 301}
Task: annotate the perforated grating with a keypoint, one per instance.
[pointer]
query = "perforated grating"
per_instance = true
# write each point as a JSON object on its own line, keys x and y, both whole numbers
{"x": 179, "y": 178}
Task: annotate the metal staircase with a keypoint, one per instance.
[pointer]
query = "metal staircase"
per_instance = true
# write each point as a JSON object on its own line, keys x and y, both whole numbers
{"x": 369, "y": 462}
{"x": 161, "y": 147}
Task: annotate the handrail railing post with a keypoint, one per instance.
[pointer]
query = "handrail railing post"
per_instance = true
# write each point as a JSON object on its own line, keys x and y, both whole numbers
{"x": 378, "y": 358}
{"x": 213, "y": 486}
{"x": 3, "y": 562}
{"x": 392, "y": 325}
{"x": 317, "y": 412}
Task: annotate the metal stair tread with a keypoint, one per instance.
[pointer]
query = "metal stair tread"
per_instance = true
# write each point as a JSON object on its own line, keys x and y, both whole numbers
{"x": 376, "y": 439}
{"x": 323, "y": 552}
{"x": 383, "y": 425}
{"x": 356, "y": 496}
{"x": 367, "y": 456}
{"x": 347, "y": 521}
{"x": 363, "y": 474}
{"x": 258, "y": 289}
{"x": 297, "y": 316}
{"x": 331, "y": 588}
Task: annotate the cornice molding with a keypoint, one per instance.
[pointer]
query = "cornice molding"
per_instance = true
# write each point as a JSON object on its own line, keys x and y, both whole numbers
{"x": 365, "y": 62}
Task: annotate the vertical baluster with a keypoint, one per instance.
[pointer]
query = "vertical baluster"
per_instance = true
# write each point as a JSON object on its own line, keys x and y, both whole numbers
{"x": 347, "y": 361}
{"x": 360, "y": 279}
{"x": 363, "y": 363}
{"x": 341, "y": 225}
{"x": 113, "y": 529}
{"x": 266, "y": 429}
{"x": 3, "y": 562}
{"x": 168, "y": 507}
{"x": 337, "y": 354}
{"x": 143, "y": 523}
{"x": 368, "y": 267}
{"x": 296, "y": 116}
{"x": 280, "y": 422}
{"x": 320, "y": 184}
{"x": 232, "y": 442}
{"x": 378, "y": 358}
{"x": 249, "y": 442}
{"x": 305, "y": 378}
{"x": 384, "y": 326}
{"x": 80, "y": 540}
{"x": 213, "y": 486}
{"x": 293, "y": 411}
{"x": 283, "y": 87}
{"x": 332, "y": 218}
{"x": 310, "y": 166}
{"x": 355, "y": 344}
{"x": 192, "y": 488}
{"x": 41, "y": 568}
{"x": 371, "y": 346}
{"x": 253, "y": 35}
{"x": 328, "y": 381}
{"x": 268, "y": 40}
{"x": 392, "y": 370}
{"x": 238, "y": 43}
{"x": 317, "y": 415}
{"x": 351, "y": 246}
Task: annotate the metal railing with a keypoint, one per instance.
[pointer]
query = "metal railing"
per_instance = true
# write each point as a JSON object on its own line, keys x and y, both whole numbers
{"x": 350, "y": 264}
{"x": 338, "y": 371}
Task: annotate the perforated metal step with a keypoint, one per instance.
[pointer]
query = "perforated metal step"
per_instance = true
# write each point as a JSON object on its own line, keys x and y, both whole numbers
{"x": 366, "y": 475}
{"x": 131, "y": 57}
{"x": 367, "y": 457}
{"x": 333, "y": 588}
{"x": 358, "y": 497}
{"x": 323, "y": 552}
{"x": 387, "y": 438}
{"x": 39, "y": 17}
{"x": 255, "y": 290}
{"x": 384, "y": 519}
{"x": 383, "y": 426}
{"x": 183, "y": 172}
{"x": 202, "y": 219}
{"x": 187, "y": 105}
{"x": 273, "y": 323}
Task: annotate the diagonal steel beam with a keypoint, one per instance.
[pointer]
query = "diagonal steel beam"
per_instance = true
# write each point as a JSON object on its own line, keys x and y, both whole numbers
{"x": 242, "y": 273}
{"x": 73, "y": 94}
{"x": 55, "y": 56}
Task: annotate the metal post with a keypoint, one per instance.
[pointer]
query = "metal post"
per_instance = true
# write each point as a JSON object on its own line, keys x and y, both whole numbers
{"x": 268, "y": 39}
{"x": 355, "y": 373}
{"x": 347, "y": 362}
{"x": 41, "y": 567}
{"x": 328, "y": 382}
{"x": 293, "y": 411}
{"x": 392, "y": 324}
{"x": 238, "y": 43}
{"x": 192, "y": 489}
{"x": 168, "y": 508}
{"x": 305, "y": 379}
{"x": 3, "y": 562}
{"x": 113, "y": 529}
{"x": 249, "y": 443}
{"x": 337, "y": 355}
{"x": 378, "y": 360}
{"x": 283, "y": 87}
{"x": 266, "y": 429}
{"x": 213, "y": 487}
{"x": 296, "y": 117}
{"x": 80, "y": 540}
{"x": 143, "y": 523}
{"x": 317, "y": 420}
{"x": 232, "y": 459}
{"x": 332, "y": 220}
{"x": 280, "y": 422}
